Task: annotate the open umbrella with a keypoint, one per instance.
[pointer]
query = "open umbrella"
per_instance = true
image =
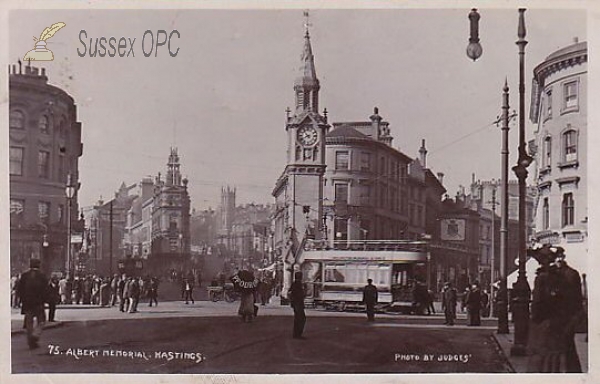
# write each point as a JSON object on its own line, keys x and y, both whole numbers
{"x": 244, "y": 280}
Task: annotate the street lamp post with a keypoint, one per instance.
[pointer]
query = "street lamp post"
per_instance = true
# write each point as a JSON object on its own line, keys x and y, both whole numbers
{"x": 521, "y": 288}
{"x": 70, "y": 192}
{"x": 502, "y": 302}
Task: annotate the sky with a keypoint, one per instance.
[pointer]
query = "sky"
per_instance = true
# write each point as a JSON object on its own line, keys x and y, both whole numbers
{"x": 221, "y": 101}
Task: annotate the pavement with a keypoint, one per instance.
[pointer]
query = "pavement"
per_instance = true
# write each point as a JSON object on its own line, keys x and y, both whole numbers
{"x": 170, "y": 309}
{"x": 519, "y": 363}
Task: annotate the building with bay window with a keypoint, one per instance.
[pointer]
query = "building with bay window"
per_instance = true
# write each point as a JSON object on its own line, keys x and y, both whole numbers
{"x": 559, "y": 110}
{"x": 44, "y": 147}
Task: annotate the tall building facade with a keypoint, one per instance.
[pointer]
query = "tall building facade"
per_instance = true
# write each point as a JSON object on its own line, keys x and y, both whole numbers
{"x": 158, "y": 223}
{"x": 170, "y": 218}
{"x": 372, "y": 191}
{"x": 106, "y": 224}
{"x": 559, "y": 109}
{"x": 45, "y": 146}
{"x": 299, "y": 190}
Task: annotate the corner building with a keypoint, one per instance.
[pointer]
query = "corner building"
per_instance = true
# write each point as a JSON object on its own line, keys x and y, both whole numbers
{"x": 559, "y": 108}
{"x": 45, "y": 146}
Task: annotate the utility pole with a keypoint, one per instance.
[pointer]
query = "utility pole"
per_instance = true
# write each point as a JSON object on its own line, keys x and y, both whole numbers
{"x": 110, "y": 239}
{"x": 493, "y": 256}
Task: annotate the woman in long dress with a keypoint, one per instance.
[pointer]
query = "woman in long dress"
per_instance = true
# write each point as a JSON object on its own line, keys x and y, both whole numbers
{"x": 246, "y": 284}
{"x": 550, "y": 335}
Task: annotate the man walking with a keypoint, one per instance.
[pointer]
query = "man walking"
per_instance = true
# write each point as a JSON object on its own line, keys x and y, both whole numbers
{"x": 153, "y": 291}
{"x": 33, "y": 288}
{"x": 53, "y": 298}
{"x": 370, "y": 299}
{"x": 449, "y": 303}
{"x": 296, "y": 295}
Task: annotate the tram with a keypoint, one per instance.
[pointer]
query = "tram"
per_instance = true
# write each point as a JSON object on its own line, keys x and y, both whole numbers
{"x": 335, "y": 276}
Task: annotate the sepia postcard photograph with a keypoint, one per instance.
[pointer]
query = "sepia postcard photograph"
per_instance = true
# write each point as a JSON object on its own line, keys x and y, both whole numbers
{"x": 297, "y": 192}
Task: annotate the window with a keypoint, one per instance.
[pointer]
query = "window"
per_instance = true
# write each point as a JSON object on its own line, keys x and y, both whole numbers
{"x": 420, "y": 217}
{"x": 44, "y": 124}
{"x": 571, "y": 99}
{"x": 61, "y": 213}
{"x": 341, "y": 160}
{"x": 547, "y": 154}
{"x": 570, "y": 145}
{"x": 43, "y": 164}
{"x": 548, "y": 114}
{"x": 365, "y": 194}
{"x": 341, "y": 229}
{"x": 16, "y": 161}
{"x": 17, "y": 120}
{"x": 546, "y": 214}
{"x": 62, "y": 130}
{"x": 61, "y": 167}
{"x": 393, "y": 200}
{"x": 341, "y": 193}
{"x": 365, "y": 161}
{"x": 44, "y": 211}
{"x": 17, "y": 207}
{"x": 382, "y": 166}
{"x": 568, "y": 209}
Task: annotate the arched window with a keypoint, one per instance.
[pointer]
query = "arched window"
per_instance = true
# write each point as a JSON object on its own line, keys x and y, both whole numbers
{"x": 569, "y": 143}
{"x": 17, "y": 120}
{"x": 44, "y": 124}
{"x": 62, "y": 130}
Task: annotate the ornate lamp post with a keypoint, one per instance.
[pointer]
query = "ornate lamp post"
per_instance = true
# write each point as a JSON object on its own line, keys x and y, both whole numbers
{"x": 521, "y": 288}
{"x": 474, "y": 49}
{"x": 70, "y": 192}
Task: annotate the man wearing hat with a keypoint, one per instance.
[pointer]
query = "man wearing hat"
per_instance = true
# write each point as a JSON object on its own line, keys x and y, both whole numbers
{"x": 33, "y": 290}
{"x": 370, "y": 299}
{"x": 572, "y": 308}
{"x": 296, "y": 295}
{"x": 449, "y": 297}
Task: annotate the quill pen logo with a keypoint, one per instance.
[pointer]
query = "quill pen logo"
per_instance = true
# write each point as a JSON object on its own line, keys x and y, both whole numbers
{"x": 41, "y": 52}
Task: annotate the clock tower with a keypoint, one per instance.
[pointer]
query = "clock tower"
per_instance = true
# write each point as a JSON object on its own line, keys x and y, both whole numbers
{"x": 306, "y": 130}
{"x": 299, "y": 190}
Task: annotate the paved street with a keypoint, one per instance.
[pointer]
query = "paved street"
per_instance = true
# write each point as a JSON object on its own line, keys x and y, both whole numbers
{"x": 208, "y": 338}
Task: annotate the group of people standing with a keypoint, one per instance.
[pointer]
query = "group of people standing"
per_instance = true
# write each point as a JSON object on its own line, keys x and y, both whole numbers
{"x": 474, "y": 300}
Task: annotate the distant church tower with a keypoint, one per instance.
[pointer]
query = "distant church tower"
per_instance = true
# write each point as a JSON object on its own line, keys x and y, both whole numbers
{"x": 226, "y": 210}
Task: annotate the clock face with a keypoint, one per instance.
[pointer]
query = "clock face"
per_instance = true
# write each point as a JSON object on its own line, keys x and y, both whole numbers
{"x": 307, "y": 136}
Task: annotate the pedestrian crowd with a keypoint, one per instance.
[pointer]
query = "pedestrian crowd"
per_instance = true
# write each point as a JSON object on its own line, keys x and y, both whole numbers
{"x": 122, "y": 290}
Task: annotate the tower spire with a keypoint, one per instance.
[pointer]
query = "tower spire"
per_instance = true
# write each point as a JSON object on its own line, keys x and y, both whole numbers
{"x": 307, "y": 85}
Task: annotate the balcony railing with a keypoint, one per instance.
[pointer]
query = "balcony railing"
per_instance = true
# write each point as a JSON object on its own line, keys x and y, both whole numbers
{"x": 366, "y": 245}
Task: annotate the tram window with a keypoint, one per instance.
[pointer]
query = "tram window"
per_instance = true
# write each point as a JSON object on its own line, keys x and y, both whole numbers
{"x": 334, "y": 274}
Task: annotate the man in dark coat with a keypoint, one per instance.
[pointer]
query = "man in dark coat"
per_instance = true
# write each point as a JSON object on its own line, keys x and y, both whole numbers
{"x": 370, "y": 299}
{"x": 572, "y": 308}
{"x": 33, "y": 289}
{"x": 296, "y": 295}
{"x": 121, "y": 293}
{"x": 449, "y": 303}
{"x": 473, "y": 302}
{"x": 53, "y": 298}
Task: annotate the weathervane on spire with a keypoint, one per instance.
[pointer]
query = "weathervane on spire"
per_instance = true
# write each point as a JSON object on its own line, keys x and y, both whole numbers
{"x": 307, "y": 23}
